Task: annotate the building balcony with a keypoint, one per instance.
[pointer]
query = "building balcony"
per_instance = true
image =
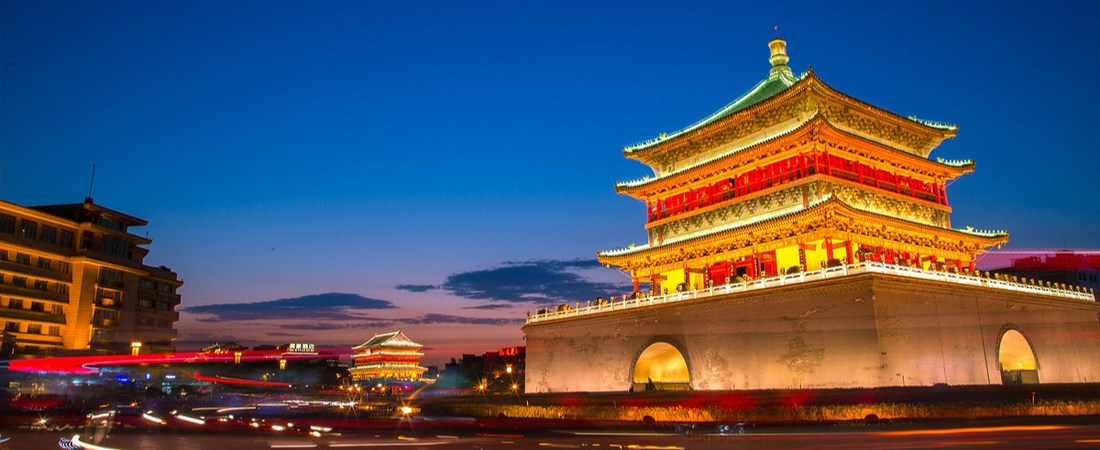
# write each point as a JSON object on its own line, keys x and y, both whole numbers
{"x": 104, "y": 302}
{"x": 35, "y": 271}
{"x": 31, "y": 293}
{"x": 26, "y": 315}
{"x": 112, "y": 284}
{"x": 625, "y": 303}
{"x": 105, "y": 323}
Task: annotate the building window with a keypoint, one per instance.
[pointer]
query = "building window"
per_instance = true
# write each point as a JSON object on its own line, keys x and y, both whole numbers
{"x": 12, "y": 326}
{"x": 49, "y": 234}
{"x": 3, "y": 255}
{"x": 44, "y": 263}
{"x": 23, "y": 258}
{"x": 145, "y": 303}
{"x": 34, "y": 328}
{"x": 115, "y": 246}
{"x": 145, "y": 321}
{"x": 27, "y": 229}
{"x": 15, "y": 303}
{"x": 166, "y": 288}
{"x": 108, "y": 274}
{"x": 165, "y": 323}
{"x": 40, "y": 285}
{"x": 165, "y": 306}
{"x": 105, "y": 318}
{"x": 19, "y": 281}
{"x": 7, "y": 224}
{"x": 112, "y": 224}
{"x": 55, "y": 331}
{"x": 38, "y": 307}
{"x": 149, "y": 285}
{"x": 66, "y": 239}
{"x": 57, "y": 310}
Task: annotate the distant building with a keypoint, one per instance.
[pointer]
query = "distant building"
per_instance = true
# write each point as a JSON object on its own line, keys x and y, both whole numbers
{"x": 389, "y": 356}
{"x": 1068, "y": 267}
{"x": 495, "y": 371}
{"x": 72, "y": 279}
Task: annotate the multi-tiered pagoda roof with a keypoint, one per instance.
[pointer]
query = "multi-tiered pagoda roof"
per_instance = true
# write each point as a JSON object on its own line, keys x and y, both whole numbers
{"x": 785, "y": 175}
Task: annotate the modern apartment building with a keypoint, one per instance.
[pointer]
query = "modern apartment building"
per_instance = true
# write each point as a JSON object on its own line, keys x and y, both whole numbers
{"x": 72, "y": 280}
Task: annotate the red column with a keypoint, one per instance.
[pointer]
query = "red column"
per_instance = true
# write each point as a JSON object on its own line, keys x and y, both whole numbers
{"x": 802, "y": 256}
{"x": 754, "y": 266}
{"x": 944, "y": 193}
{"x": 848, "y": 252}
{"x": 687, "y": 279}
{"x": 636, "y": 283}
{"x": 828, "y": 250}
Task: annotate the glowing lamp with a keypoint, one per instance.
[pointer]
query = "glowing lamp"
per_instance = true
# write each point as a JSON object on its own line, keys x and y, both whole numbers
{"x": 135, "y": 347}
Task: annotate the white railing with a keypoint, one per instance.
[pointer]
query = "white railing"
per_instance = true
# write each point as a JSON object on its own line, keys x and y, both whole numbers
{"x": 803, "y": 277}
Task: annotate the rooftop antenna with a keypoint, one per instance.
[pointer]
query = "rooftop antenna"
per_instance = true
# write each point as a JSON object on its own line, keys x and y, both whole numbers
{"x": 776, "y": 31}
{"x": 90, "y": 184}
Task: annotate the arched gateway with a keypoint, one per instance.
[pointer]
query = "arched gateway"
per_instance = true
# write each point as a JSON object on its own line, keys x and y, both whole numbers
{"x": 661, "y": 367}
{"x": 1017, "y": 359}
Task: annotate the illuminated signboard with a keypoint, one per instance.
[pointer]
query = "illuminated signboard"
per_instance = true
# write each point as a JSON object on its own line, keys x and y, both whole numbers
{"x": 296, "y": 347}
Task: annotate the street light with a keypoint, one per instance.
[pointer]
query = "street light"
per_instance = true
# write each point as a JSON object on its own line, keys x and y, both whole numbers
{"x": 135, "y": 347}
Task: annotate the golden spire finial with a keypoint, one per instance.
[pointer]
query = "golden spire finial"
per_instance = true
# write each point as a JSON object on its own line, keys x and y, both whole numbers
{"x": 778, "y": 57}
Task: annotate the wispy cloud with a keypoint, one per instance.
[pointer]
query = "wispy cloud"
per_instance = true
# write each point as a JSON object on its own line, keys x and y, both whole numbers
{"x": 426, "y": 319}
{"x": 330, "y": 306}
{"x": 491, "y": 306}
{"x": 542, "y": 282}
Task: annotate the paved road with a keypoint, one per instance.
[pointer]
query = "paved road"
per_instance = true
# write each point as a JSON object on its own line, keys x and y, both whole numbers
{"x": 983, "y": 435}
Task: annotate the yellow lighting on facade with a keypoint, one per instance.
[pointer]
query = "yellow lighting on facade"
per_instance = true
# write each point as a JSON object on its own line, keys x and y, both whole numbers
{"x": 135, "y": 348}
{"x": 282, "y": 364}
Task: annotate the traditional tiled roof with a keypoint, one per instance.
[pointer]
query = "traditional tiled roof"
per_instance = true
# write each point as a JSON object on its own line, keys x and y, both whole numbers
{"x": 622, "y": 186}
{"x": 776, "y": 216}
{"x": 391, "y": 339}
{"x": 780, "y": 80}
{"x": 763, "y": 90}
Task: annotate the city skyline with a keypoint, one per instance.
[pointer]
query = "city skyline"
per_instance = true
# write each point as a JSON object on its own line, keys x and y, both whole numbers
{"x": 448, "y": 167}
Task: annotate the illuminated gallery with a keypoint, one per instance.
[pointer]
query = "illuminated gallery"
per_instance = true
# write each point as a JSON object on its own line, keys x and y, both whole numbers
{"x": 801, "y": 238}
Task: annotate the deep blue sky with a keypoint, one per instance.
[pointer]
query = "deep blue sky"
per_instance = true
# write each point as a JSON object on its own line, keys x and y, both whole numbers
{"x": 282, "y": 149}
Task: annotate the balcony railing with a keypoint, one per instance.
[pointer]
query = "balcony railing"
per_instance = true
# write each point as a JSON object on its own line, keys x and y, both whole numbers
{"x": 565, "y": 311}
{"x": 106, "y": 302}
